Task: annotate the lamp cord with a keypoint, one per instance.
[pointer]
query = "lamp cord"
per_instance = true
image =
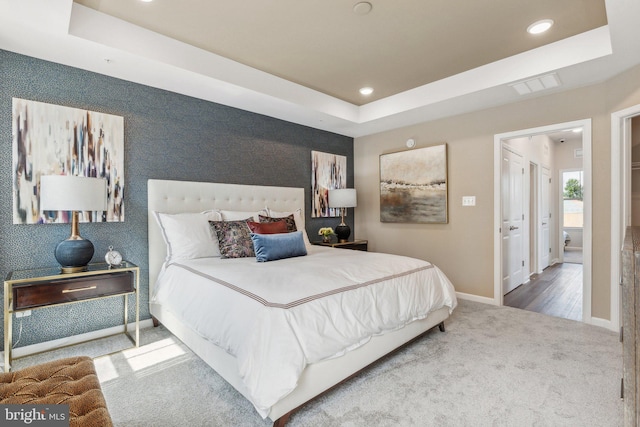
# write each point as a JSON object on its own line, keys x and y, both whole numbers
{"x": 19, "y": 335}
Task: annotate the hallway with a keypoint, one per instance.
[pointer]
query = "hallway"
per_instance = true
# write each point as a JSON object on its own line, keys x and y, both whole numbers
{"x": 556, "y": 292}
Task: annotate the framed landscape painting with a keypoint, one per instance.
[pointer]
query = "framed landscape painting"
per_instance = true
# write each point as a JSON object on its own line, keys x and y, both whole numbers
{"x": 413, "y": 186}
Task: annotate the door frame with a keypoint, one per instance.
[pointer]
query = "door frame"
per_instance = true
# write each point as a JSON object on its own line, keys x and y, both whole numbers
{"x": 585, "y": 124}
{"x": 540, "y": 237}
{"x": 620, "y": 199}
{"x": 534, "y": 215}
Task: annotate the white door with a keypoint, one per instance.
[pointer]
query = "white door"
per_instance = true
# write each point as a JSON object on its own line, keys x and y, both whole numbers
{"x": 545, "y": 218}
{"x": 512, "y": 220}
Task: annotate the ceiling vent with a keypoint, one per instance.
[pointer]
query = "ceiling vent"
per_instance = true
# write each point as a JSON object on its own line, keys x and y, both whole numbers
{"x": 536, "y": 84}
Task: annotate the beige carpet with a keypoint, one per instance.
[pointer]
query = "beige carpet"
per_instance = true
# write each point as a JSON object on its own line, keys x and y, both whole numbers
{"x": 495, "y": 366}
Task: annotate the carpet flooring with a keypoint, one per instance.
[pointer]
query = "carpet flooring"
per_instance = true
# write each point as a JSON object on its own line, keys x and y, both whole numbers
{"x": 494, "y": 366}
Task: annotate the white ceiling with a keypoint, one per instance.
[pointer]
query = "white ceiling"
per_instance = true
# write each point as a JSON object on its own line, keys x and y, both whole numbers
{"x": 580, "y": 52}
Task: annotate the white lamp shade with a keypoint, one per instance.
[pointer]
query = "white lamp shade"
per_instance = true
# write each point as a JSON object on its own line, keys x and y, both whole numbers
{"x": 343, "y": 198}
{"x": 72, "y": 193}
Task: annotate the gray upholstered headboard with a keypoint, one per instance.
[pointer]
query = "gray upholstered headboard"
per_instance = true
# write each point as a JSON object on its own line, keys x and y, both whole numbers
{"x": 187, "y": 196}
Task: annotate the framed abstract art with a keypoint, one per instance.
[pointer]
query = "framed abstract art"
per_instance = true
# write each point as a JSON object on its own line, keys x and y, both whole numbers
{"x": 51, "y": 139}
{"x": 328, "y": 172}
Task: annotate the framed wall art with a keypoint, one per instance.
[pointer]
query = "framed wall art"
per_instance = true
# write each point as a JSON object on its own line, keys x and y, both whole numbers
{"x": 56, "y": 140}
{"x": 328, "y": 172}
{"x": 413, "y": 186}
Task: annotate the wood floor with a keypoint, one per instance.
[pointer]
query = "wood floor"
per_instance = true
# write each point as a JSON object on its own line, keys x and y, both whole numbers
{"x": 556, "y": 292}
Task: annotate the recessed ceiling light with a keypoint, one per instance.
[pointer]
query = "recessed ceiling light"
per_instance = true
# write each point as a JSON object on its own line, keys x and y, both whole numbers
{"x": 362, "y": 8}
{"x": 540, "y": 26}
{"x": 146, "y": 1}
{"x": 366, "y": 91}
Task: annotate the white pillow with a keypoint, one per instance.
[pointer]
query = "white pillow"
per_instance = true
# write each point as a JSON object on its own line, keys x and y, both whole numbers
{"x": 188, "y": 235}
{"x": 242, "y": 215}
{"x": 298, "y": 218}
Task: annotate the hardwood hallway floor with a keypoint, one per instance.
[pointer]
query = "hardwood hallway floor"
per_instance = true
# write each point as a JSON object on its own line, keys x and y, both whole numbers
{"x": 556, "y": 292}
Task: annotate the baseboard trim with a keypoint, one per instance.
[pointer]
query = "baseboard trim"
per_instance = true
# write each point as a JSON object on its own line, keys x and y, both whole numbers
{"x": 603, "y": 323}
{"x": 476, "y": 298}
{"x": 28, "y": 350}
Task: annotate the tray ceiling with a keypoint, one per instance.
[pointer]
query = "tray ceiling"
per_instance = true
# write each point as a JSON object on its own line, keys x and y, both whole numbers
{"x": 304, "y": 61}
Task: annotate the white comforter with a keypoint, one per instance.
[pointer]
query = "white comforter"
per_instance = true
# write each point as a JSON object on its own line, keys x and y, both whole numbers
{"x": 277, "y": 317}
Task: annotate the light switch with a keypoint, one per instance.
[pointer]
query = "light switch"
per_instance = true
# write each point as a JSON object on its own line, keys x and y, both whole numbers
{"x": 468, "y": 200}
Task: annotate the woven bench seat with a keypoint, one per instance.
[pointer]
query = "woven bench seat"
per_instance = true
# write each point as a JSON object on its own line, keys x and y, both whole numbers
{"x": 72, "y": 381}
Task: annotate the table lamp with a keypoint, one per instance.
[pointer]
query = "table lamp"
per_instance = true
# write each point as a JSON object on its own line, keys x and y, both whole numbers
{"x": 75, "y": 194}
{"x": 342, "y": 198}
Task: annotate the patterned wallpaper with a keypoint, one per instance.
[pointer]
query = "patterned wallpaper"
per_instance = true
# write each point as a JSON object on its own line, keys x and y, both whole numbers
{"x": 167, "y": 136}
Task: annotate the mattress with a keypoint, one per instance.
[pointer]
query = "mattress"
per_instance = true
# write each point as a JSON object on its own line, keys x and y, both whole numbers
{"x": 277, "y": 317}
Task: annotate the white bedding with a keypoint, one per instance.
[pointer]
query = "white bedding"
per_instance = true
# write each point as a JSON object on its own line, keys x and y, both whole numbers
{"x": 277, "y": 317}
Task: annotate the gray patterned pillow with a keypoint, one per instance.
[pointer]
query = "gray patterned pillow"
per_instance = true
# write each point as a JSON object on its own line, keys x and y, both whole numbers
{"x": 234, "y": 238}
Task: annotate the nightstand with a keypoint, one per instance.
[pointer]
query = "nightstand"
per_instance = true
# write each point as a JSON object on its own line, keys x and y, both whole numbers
{"x": 358, "y": 245}
{"x": 48, "y": 287}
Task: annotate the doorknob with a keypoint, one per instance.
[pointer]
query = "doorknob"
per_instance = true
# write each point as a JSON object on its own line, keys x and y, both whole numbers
{"x": 513, "y": 228}
{"x": 544, "y": 223}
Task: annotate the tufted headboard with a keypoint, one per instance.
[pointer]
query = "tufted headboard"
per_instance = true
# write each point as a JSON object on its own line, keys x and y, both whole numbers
{"x": 188, "y": 196}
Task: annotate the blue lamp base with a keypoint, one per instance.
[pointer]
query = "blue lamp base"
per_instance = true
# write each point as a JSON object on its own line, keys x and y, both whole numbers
{"x": 74, "y": 254}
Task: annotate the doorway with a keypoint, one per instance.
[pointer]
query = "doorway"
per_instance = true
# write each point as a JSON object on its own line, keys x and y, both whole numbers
{"x": 542, "y": 219}
{"x": 571, "y": 214}
{"x": 621, "y": 201}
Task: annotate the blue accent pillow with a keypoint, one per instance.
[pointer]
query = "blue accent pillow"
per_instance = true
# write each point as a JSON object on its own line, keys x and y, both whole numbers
{"x": 270, "y": 247}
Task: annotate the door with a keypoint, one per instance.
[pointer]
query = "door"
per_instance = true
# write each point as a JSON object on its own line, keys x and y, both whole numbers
{"x": 545, "y": 219}
{"x": 512, "y": 220}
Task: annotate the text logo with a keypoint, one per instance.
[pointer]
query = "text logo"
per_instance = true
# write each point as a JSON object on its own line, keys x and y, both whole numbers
{"x": 34, "y": 415}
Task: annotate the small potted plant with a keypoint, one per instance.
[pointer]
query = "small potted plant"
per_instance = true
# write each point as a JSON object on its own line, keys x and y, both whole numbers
{"x": 326, "y": 233}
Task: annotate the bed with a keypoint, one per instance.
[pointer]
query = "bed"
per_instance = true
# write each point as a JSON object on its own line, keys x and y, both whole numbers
{"x": 275, "y": 316}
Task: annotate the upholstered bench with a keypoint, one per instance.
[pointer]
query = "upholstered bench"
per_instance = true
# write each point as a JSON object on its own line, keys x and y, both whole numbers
{"x": 71, "y": 381}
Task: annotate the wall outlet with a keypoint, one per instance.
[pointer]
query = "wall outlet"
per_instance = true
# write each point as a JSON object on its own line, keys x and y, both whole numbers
{"x": 23, "y": 313}
{"x": 468, "y": 200}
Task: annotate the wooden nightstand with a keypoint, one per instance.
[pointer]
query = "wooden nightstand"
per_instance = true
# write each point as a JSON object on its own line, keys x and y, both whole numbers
{"x": 48, "y": 287}
{"x": 358, "y": 245}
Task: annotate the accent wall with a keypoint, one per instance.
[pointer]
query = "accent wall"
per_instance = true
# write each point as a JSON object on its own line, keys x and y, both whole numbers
{"x": 167, "y": 136}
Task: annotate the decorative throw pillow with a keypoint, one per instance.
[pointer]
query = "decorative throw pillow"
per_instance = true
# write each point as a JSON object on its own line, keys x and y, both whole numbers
{"x": 289, "y": 220}
{"x": 271, "y": 247}
{"x": 234, "y": 238}
{"x": 274, "y": 227}
{"x": 187, "y": 235}
{"x": 299, "y": 221}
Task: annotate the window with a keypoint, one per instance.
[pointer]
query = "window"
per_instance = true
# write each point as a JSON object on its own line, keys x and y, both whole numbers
{"x": 572, "y": 184}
